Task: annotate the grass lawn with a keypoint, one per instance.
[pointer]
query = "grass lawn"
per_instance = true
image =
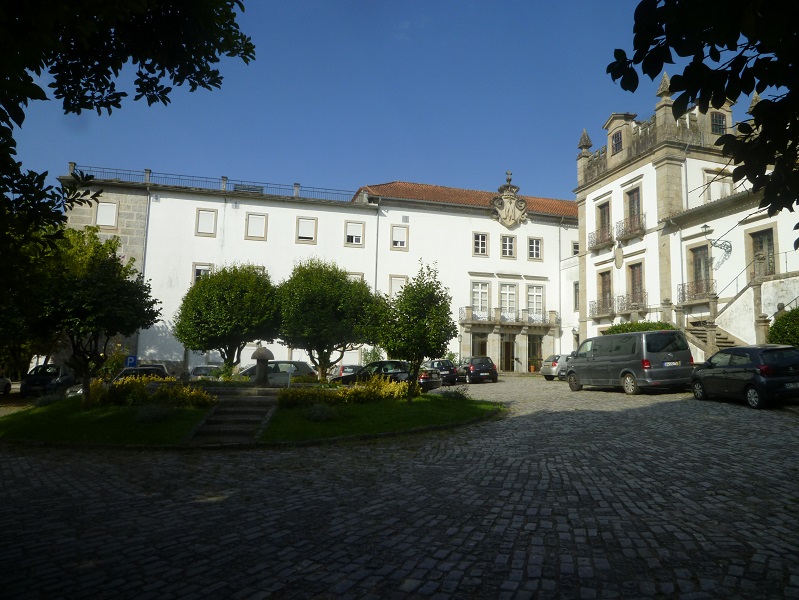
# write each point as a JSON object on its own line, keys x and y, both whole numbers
{"x": 293, "y": 424}
{"x": 65, "y": 422}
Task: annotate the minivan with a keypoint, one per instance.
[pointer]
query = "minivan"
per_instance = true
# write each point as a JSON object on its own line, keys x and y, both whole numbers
{"x": 634, "y": 361}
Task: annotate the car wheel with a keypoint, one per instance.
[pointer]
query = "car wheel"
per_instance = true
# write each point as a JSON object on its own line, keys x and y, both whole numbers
{"x": 469, "y": 378}
{"x": 549, "y": 377}
{"x": 494, "y": 379}
{"x": 699, "y": 390}
{"x": 574, "y": 382}
{"x": 7, "y": 389}
{"x": 754, "y": 398}
{"x": 630, "y": 385}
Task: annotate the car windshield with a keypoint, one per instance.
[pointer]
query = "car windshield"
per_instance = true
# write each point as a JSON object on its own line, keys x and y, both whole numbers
{"x": 44, "y": 370}
{"x": 482, "y": 360}
{"x": 203, "y": 370}
{"x": 781, "y": 356}
{"x": 666, "y": 341}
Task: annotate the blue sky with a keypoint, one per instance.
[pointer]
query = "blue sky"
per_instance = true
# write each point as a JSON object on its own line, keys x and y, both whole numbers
{"x": 350, "y": 93}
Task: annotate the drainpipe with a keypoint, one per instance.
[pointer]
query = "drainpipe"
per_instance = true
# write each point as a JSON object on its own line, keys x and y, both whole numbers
{"x": 377, "y": 243}
{"x": 560, "y": 287}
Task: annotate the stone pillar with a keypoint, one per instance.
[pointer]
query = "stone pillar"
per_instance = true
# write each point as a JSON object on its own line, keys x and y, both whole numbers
{"x": 493, "y": 345}
{"x": 223, "y": 184}
{"x": 465, "y": 348}
{"x": 468, "y": 313}
{"x": 666, "y": 311}
{"x": 757, "y": 297}
{"x": 521, "y": 351}
{"x": 712, "y": 344}
{"x": 497, "y": 315}
{"x": 713, "y": 300}
{"x": 679, "y": 317}
{"x": 634, "y": 313}
{"x": 147, "y": 174}
{"x": 761, "y": 329}
{"x": 759, "y": 266}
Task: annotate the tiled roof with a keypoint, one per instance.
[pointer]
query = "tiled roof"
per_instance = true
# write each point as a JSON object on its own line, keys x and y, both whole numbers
{"x": 449, "y": 195}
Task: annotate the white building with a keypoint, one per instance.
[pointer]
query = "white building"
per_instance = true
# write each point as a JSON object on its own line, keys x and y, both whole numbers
{"x": 508, "y": 261}
{"x": 669, "y": 238}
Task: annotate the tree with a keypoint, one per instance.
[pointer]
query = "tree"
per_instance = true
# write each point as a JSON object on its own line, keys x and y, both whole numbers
{"x": 753, "y": 49}
{"x": 325, "y": 312}
{"x": 81, "y": 48}
{"x": 93, "y": 298}
{"x": 227, "y": 309}
{"x": 785, "y": 328}
{"x": 419, "y": 324}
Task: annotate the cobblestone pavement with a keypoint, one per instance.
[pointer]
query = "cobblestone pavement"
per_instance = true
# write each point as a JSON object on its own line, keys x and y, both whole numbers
{"x": 574, "y": 495}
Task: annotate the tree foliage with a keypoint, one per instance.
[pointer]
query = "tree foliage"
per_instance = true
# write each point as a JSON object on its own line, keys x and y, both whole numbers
{"x": 638, "y": 326}
{"x": 325, "y": 312}
{"x": 93, "y": 298}
{"x": 419, "y": 323}
{"x": 785, "y": 329}
{"x": 754, "y": 48}
{"x": 80, "y": 49}
{"x": 227, "y": 309}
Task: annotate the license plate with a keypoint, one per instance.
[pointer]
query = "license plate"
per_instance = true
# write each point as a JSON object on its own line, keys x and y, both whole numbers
{"x": 445, "y": 372}
{"x": 792, "y": 386}
{"x": 671, "y": 363}
{"x": 484, "y": 373}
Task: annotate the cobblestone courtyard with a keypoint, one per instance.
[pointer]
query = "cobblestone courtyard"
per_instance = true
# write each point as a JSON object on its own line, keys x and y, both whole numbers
{"x": 574, "y": 495}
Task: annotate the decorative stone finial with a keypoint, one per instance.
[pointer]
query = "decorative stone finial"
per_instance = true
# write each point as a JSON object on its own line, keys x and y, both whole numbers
{"x": 663, "y": 88}
{"x": 753, "y": 103}
{"x": 585, "y": 141}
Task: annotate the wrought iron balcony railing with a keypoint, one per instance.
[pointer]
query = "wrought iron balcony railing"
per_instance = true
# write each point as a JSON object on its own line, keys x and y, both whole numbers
{"x": 630, "y": 227}
{"x": 601, "y": 307}
{"x": 631, "y": 301}
{"x": 601, "y": 238}
{"x": 700, "y": 289}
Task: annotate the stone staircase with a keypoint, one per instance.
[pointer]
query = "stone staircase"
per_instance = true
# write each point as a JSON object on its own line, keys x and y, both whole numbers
{"x": 723, "y": 339}
{"x": 238, "y": 418}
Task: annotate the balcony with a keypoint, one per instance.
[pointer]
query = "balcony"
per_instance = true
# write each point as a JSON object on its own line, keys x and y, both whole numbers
{"x": 604, "y": 307}
{"x": 633, "y": 301}
{"x": 500, "y": 316}
{"x": 694, "y": 291}
{"x": 601, "y": 238}
{"x": 631, "y": 227}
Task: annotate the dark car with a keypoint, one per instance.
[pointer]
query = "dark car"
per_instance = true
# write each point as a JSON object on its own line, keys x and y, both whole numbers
{"x": 757, "y": 374}
{"x": 563, "y": 366}
{"x": 395, "y": 370}
{"x": 46, "y": 379}
{"x": 448, "y": 371}
{"x": 340, "y": 370}
{"x": 477, "y": 368}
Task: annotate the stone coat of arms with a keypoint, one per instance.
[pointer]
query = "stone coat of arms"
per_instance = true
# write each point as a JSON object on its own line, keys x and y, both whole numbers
{"x": 508, "y": 208}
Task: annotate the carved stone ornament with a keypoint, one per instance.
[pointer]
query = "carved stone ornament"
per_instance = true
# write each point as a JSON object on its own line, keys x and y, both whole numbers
{"x": 508, "y": 208}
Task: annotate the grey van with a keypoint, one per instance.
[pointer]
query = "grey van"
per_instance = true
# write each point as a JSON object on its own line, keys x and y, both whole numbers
{"x": 634, "y": 361}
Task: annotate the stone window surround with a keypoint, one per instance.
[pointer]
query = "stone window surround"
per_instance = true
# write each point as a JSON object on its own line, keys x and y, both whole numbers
{"x": 507, "y": 246}
{"x": 201, "y": 217}
{"x": 540, "y": 249}
{"x": 302, "y": 227}
{"x": 360, "y": 237}
{"x": 484, "y": 243}
{"x": 247, "y": 233}
{"x": 403, "y": 247}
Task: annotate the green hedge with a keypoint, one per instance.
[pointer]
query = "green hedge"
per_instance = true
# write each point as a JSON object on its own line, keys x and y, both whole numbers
{"x": 373, "y": 390}
{"x": 638, "y": 326}
{"x": 140, "y": 391}
{"x": 785, "y": 329}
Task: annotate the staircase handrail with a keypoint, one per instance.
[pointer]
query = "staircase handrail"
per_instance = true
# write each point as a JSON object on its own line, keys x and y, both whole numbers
{"x": 736, "y": 278}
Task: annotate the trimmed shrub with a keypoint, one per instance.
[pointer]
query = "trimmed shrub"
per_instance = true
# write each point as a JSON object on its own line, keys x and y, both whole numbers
{"x": 373, "y": 390}
{"x": 294, "y": 397}
{"x": 638, "y": 326}
{"x": 141, "y": 391}
{"x": 785, "y": 329}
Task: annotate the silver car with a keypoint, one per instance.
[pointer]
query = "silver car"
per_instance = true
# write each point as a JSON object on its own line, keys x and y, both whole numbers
{"x": 551, "y": 366}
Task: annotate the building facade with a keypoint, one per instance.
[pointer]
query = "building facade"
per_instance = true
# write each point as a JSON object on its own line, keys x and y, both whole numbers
{"x": 507, "y": 259}
{"x": 668, "y": 237}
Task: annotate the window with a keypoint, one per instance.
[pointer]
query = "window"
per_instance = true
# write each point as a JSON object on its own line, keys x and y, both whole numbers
{"x": 576, "y": 295}
{"x": 615, "y": 141}
{"x": 354, "y": 233}
{"x": 508, "y": 243}
{"x": 634, "y": 203}
{"x": 718, "y": 123}
{"x": 636, "y": 283}
{"x": 256, "y": 227}
{"x": 306, "y": 230}
{"x": 717, "y": 185}
{"x": 480, "y": 244}
{"x": 700, "y": 260}
{"x": 507, "y": 298}
{"x": 200, "y": 271}
{"x": 535, "y": 299}
{"x": 205, "y": 224}
{"x": 575, "y": 248}
{"x": 399, "y": 237}
{"x": 106, "y": 214}
{"x": 480, "y": 297}
{"x": 396, "y": 283}
{"x": 605, "y": 293}
{"x": 763, "y": 241}
{"x": 355, "y": 276}
{"x": 603, "y": 233}
{"x": 534, "y": 248}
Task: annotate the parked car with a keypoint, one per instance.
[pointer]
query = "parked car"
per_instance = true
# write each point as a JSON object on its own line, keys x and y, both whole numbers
{"x": 633, "y": 361}
{"x": 5, "y": 385}
{"x": 757, "y": 374}
{"x": 340, "y": 370}
{"x": 203, "y": 372}
{"x": 549, "y": 368}
{"x": 142, "y": 371}
{"x": 46, "y": 379}
{"x": 448, "y": 371}
{"x": 563, "y": 366}
{"x": 279, "y": 371}
{"x": 395, "y": 370}
{"x": 474, "y": 369}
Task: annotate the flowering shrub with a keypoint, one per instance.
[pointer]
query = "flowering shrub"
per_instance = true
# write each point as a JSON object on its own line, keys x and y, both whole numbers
{"x": 373, "y": 390}
{"x": 140, "y": 391}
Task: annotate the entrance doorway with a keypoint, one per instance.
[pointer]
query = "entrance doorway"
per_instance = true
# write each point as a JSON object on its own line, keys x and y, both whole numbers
{"x": 507, "y": 351}
{"x": 479, "y": 344}
{"x": 534, "y": 352}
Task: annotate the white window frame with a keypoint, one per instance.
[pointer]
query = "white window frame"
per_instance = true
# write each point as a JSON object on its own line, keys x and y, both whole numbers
{"x": 718, "y": 185}
{"x": 481, "y": 291}
{"x": 399, "y": 238}
{"x": 307, "y": 221}
{"x": 205, "y": 222}
{"x": 508, "y": 299}
{"x": 105, "y": 215}
{"x": 537, "y": 253}
{"x": 355, "y": 276}
{"x": 538, "y": 298}
{"x": 507, "y": 246}
{"x": 251, "y": 222}
{"x": 480, "y": 241}
{"x": 396, "y": 283}
{"x": 575, "y": 248}
{"x": 350, "y": 231}
{"x": 199, "y": 270}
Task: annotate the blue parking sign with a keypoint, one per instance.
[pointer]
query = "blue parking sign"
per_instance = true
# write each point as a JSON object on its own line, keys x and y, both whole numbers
{"x": 130, "y": 361}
